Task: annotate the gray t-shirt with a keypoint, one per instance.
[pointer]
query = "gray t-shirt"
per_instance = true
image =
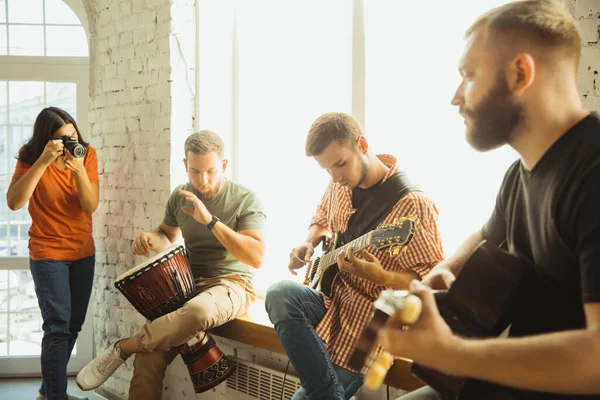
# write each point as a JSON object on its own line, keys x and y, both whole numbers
{"x": 237, "y": 207}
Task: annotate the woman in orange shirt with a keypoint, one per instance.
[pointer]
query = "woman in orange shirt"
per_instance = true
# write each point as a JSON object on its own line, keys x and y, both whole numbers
{"x": 62, "y": 189}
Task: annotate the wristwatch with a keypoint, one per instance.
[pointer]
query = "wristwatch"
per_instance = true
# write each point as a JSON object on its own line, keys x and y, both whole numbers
{"x": 212, "y": 223}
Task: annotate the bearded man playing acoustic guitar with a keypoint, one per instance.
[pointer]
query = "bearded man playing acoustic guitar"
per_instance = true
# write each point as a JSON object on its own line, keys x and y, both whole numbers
{"x": 520, "y": 88}
{"x": 318, "y": 330}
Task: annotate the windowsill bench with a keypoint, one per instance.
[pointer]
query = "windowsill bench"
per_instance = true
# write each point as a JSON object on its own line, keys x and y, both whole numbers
{"x": 255, "y": 329}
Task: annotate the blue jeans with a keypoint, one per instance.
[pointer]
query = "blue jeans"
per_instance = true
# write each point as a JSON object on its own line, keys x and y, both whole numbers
{"x": 63, "y": 289}
{"x": 295, "y": 310}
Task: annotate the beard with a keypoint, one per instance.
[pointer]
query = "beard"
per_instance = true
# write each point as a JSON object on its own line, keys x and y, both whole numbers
{"x": 495, "y": 118}
{"x": 208, "y": 196}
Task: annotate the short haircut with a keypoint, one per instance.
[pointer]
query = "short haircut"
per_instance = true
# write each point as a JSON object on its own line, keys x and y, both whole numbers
{"x": 204, "y": 142}
{"x": 544, "y": 23}
{"x": 332, "y": 127}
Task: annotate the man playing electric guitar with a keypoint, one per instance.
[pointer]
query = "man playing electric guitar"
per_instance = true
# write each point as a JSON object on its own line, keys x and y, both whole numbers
{"x": 318, "y": 331}
{"x": 520, "y": 88}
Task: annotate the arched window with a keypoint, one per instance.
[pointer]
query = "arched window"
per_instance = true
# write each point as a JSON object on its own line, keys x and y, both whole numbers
{"x": 43, "y": 62}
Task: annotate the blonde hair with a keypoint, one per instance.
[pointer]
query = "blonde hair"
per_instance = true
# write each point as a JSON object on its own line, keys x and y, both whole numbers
{"x": 204, "y": 142}
{"x": 332, "y": 127}
{"x": 543, "y": 23}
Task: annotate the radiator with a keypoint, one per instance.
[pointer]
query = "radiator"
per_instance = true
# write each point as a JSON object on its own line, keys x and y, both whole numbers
{"x": 250, "y": 381}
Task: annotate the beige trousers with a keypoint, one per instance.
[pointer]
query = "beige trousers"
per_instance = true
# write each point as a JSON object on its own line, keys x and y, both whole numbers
{"x": 218, "y": 300}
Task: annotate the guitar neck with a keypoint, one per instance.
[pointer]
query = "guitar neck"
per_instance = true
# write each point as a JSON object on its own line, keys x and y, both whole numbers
{"x": 357, "y": 244}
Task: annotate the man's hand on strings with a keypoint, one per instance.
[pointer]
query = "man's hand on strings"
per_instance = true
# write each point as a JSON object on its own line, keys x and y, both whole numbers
{"x": 366, "y": 267}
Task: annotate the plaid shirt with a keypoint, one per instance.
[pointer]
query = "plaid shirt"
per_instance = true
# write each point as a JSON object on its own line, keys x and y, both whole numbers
{"x": 351, "y": 307}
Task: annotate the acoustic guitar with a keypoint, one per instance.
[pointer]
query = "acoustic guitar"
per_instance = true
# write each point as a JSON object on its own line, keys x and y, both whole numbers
{"x": 480, "y": 304}
{"x": 323, "y": 271}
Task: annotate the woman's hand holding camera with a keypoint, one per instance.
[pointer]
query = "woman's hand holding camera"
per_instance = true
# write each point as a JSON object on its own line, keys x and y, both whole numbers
{"x": 73, "y": 163}
{"x": 52, "y": 150}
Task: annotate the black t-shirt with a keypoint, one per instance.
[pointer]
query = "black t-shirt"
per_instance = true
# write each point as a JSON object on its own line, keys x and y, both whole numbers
{"x": 550, "y": 216}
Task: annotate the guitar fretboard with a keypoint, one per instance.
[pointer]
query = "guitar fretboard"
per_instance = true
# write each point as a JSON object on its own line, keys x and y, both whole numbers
{"x": 357, "y": 244}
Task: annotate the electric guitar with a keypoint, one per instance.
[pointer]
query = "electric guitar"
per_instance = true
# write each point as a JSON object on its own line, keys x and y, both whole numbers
{"x": 322, "y": 272}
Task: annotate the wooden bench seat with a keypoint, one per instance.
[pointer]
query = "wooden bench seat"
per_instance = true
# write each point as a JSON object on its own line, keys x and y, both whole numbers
{"x": 255, "y": 329}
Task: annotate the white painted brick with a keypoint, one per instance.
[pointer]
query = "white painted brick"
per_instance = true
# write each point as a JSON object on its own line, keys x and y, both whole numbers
{"x": 115, "y": 12}
{"x": 588, "y": 70}
{"x": 588, "y": 29}
{"x": 103, "y": 17}
{"x": 138, "y": 81}
{"x": 113, "y": 41}
{"x": 136, "y": 65}
{"x": 142, "y": 36}
{"x": 137, "y": 95}
{"x": 133, "y": 124}
{"x": 123, "y": 53}
{"x": 586, "y": 8}
{"x": 105, "y": 30}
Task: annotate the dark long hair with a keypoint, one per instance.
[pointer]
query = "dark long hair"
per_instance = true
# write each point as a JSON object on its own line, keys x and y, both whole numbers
{"x": 48, "y": 121}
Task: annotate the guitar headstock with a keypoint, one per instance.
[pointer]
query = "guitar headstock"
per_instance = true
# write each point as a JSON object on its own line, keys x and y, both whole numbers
{"x": 395, "y": 236}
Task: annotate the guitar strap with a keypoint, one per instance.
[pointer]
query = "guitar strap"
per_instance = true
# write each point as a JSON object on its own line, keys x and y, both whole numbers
{"x": 374, "y": 204}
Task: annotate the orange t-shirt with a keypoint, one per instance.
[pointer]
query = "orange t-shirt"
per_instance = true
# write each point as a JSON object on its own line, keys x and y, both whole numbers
{"x": 60, "y": 229}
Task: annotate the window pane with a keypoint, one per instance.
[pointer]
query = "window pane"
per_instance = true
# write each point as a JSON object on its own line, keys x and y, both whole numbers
{"x": 22, "y": 296}
{"x": 26, "y": 100}
{"x": 57, "y": 12}
{"x": 399, "y": 108}
{"x": 4, "y": 164}
{"x": 288, "y": 75}
{"x": 4, "y": 292}
{"x": 3, "y": 42}
{"x": 25, "y": 334}
{"x": 4, "y": 218}
{"x": 68, "y": 41}
{"x": 19, "y": 134}
{"x": 2, "y": 10}
{"x": 62, "y": 95}
{"x": 26, "y": 11}
{"x": 3, "y": 102}
{"x": 19, "y": 229}
{"x": 3, "y": 333}
{"x": 26, "y": 40}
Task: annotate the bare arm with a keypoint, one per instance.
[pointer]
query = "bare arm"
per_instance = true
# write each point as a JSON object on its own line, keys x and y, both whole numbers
{"x": 443, "y": 274}
{"x": 316, "y": 234}
{"x": 564, "y": 362}
{"x": 20, "y": 190}
{"x": 246, "y": 246}
{"x": 561, "y": 362}
{"x": 158, "y": 240}
{"x": 89, "y": 193}
{"x": 455, "y": 262}
{"x": 300, "y": 255}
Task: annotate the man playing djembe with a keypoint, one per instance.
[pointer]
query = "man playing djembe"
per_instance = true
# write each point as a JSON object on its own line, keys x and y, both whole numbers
{"x": 222, "y": 225}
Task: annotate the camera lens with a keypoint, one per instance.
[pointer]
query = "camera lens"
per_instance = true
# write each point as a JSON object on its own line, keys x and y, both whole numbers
{"x": 76, "y": 149}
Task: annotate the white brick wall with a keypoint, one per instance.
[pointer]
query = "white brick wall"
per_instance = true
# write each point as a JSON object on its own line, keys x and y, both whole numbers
{"x": 138, "y": 110}
{"x": 587, "y": 13}
{"x": 142, "y": 108}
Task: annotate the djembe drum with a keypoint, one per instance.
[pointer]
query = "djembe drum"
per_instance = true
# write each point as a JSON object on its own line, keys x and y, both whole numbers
{"x": 163, "y": 284}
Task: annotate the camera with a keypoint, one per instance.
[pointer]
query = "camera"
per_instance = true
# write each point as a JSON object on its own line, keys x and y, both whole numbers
{"x": 75, "y": 148}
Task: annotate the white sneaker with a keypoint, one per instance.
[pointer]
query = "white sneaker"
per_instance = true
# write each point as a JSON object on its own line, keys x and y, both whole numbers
{"x": 69, "y": 397}
{"x": 97, "y": 371}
